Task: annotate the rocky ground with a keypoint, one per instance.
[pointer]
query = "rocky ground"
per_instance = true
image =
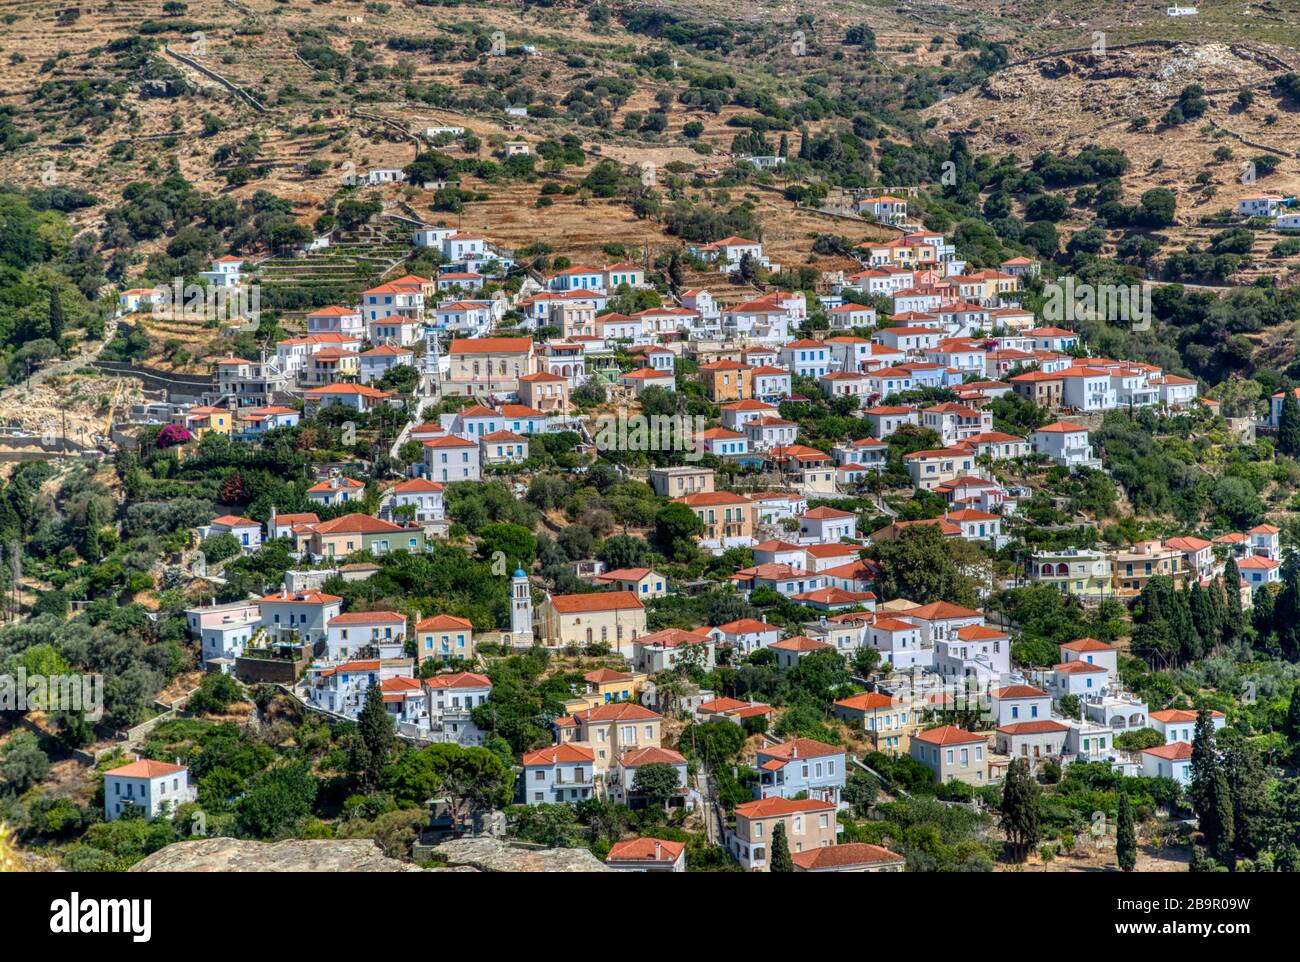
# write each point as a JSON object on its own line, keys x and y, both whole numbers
{"x": 358, "y": 855}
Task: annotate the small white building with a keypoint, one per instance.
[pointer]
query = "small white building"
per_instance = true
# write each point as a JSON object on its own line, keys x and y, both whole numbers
{"x": 1168, "y": 761}
{"x": 155, "y": 788}
{"x": 425, "y": 497}
{"x": 1179, "y": 725}
{"x": 245, "y": 530}
{"x": 1259, "y": 205}
{"x": 349, "y": 635}
{"x": 827, "y": 525}
{"x": 1064, "y": 443}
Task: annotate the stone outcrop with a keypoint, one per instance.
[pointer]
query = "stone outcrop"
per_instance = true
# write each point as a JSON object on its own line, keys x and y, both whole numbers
{"x": 483, "y": 854}
{"x": 496, "y": 855}
{"x": 295, "y": 855}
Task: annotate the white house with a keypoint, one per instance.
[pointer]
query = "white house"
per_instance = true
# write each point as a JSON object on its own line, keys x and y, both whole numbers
{"x": 223, "y": 630}
{"x": 1259, "y": 205}
{"x": 348, "y": 635}
{"x": 155, "y": 788}
{"x": 335, "y": 320}
{"x": 1019, "y": 703}
{"x": 451, "y": 459}
{"x": 1092, "y": 652}
{"x": 1065, "y": 443}
{"x": 336, "y": 490}
{"x": 560, "y": 773}
{"x": 746, "y": 635}
{"x": 1258, "y": 571}
{"x": 394, "y": 329}
{"x": 1077, "y": 678}
{"x": 245, "y": 530}
{"x": 801, "y": 765}
{"x": 298, "y": 615}
{"x": 425, "y": 497}
{"x": 224, "y": 273}
{"x": 826, "y": 525}
{"x": 1168, "y": 761}
{"x": 378, "y": 361}
{"x": 1179, "y": 725}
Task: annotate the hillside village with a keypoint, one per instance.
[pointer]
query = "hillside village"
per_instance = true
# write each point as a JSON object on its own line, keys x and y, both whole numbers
{"x": 810, "y": 513}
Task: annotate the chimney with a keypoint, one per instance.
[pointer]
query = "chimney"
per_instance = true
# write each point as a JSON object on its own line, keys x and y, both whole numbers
{"x": 794, "y": 749}
{"x": 657, "y": 848}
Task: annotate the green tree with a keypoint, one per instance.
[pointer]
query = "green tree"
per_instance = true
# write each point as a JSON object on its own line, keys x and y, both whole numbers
{"x": 1288, "y": 425}
{"x": 780, "y": 860}
{"x": 471, "y": 779}
{"x": 1125, "y": 836}
{"x": 56, "y": 315}
{"x": 277, "y": 801}
{"x": 514, "y": 541}
{"x": 1021, "y": 815}
{"x": 658, "y": 782}
{"x": 1234, "y": 619}
{"x": 375, "y": 727}
{"x": 1247, "y": 783}
{"x": 676, "y": 525}
{"x": 90, "y": 546}
{"x": 922, "y": 566}
{"x": 1216, "y": 819}
{"x": 1291, "y": 724}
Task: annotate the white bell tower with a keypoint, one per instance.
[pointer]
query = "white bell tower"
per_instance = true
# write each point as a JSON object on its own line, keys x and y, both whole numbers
{"x": 521, "y": 611}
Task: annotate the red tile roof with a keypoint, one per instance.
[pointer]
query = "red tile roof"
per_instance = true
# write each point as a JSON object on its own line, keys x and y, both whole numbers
{"x": 596, "y": 601}
{"x": 833, "y": 857}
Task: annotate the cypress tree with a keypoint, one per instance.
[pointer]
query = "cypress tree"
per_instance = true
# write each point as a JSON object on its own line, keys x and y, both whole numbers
{"x": 56, "y": 315}
{"x": 780, "y": 860}
{"x": 1244, "y": 773}
{"x": 1288, "y": 425}
{"x": 1291, "y": 724}
{"x": 1216, "y": 820}
{"x": 1021, "y": 815}
{"x": 1125, "y": 836}
{"x": 375, "y": 727}
{"x": 1234, "y": 619}
{"x": 90, "y": 547}
{"x": 1204, "y": 763}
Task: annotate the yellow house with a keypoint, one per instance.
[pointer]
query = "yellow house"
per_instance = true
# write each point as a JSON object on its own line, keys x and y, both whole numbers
{"x": 614, "y": 618}
{"x": 444, "y": 637}
{"x": 610, "y": 730}
{"x": 333, "y": 365}
{"x": 889, "y": 724}
{"x": 200, "y": 420}
{"x": 605, "y": 686}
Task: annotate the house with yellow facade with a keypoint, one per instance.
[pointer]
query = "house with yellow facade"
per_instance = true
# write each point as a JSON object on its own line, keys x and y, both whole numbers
{"x": 444, "y": 637}
{"x": 888, "y": 722}
{"x": 613, "y": 618}
{"x": 201, "y": 419}
{"x": 606, "y": 686}
{"x": 610, "y": 730}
